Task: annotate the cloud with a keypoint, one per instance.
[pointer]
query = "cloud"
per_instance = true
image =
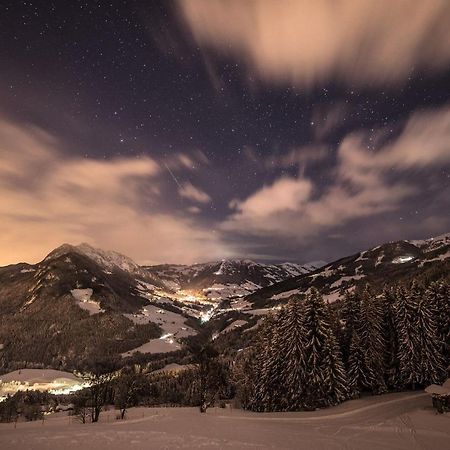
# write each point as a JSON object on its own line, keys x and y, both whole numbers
{"x": 306, "y": 42}
{"x": 366, "y": 182}
{"x": 327, "y": 119}
{"x": 189, "y": 191}
{"x": 425, "y": 141}
{"x": 286, "y": 194}
{"x": 47, "y": 198}
{"x": 302, "y": 156}
{"x": 193, "y": 209}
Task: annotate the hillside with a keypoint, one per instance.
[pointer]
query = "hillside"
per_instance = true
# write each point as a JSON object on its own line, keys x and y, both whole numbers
{"x": 229, "y": 277}
{"x": 68, "y": 308}
{"x": 81, "y": 303}
{"x": 388, "y": 263}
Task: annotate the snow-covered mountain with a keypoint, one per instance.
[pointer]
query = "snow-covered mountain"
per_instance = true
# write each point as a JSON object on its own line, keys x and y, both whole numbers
{"x": 81, "y": 302}
{"x": 108, "y": 260}
{"x": 228, "y": 278}
{"x": 388, "y": 263}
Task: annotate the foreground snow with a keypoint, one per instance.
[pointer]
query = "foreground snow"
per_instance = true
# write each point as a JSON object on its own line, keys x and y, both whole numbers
{"x": 393, "y": 421}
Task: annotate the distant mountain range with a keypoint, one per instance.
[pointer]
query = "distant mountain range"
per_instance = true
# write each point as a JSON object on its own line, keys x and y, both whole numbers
{"x": 229, "y": 277}
{"x": 81, "y": 302}
{"x": 388, "y": 263}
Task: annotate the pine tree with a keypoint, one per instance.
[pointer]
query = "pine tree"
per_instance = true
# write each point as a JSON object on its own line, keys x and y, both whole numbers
{"x": 354, "y": 350}
{"x": 407, "y": 351}
{"x": 373, "y": 340}
{"x": 366, "y": 360}
{"x": 349, "y": 315}
{"x": 335, "y": 375}
{"x": 280, "y": 362}
{"x": 438, "y": 294}
{"x": 420, "y": 356}
{"x": 359, "y": 378}
{"x": 267, "y": 367}
{"x": 391, "y": 362}
{"x": 326, "y": 380}
{"x": 431, "y": 365}
{"x": 291, "y": 350}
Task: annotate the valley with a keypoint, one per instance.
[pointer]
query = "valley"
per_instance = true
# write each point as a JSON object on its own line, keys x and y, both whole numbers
{"x": 136, "y": 309}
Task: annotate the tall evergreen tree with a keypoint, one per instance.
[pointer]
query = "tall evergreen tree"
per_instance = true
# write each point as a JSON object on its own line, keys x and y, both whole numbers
{"x": 373, "y": 339}
{"x": 431, "y": 365}
{"x": 408, "y": 354}
{"x": 366, "y": 360}
{"x": 266, "y": 367}
{"x": 391, "y": 362}
{"x": 358, "y": 374}
{"x": 349, "y": 316}
{"x": 420, "y": 357}
{"x": 326, "y": 379}
{"x": 438, "y": 294}
{"x": 290, "y": 349}
{"x": 281, "y": 363}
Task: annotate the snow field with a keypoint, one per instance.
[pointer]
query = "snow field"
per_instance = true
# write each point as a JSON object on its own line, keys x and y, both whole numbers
{"x": 392, "y": 421}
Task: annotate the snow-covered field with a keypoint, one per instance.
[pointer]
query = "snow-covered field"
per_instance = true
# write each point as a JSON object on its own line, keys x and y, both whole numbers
{"x": 173, "y": 327}
{"x": 165, "y": 344}
{"x": 83, "y": 297}
{"x": 393, "y": 421}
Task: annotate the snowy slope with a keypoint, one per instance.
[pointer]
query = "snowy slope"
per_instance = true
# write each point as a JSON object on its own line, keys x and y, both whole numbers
{"x": 228, "y": 278}
{"x": 390, "y": 262}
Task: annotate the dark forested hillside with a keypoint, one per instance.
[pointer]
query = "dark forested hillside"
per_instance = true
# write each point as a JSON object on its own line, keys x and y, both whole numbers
{"x": 388, "y": 263}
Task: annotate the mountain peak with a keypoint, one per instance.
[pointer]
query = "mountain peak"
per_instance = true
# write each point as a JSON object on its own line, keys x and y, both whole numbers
{"x": 108, "y": 259}
{"x": 61, "y": 250}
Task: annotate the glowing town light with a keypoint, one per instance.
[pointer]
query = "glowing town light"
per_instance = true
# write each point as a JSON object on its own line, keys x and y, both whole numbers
{"x": 64, "y": 390}
{"x": 57, "y": 387}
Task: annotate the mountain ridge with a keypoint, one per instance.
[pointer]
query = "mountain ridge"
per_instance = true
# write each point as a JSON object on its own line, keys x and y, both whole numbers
{"x": 80, "y": 302}
{"x": 386, "y": 262}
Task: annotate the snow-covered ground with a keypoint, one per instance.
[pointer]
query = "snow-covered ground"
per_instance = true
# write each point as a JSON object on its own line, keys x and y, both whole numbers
{"x": 169, "y": 321}
{"x": 84, "y": 301}
{"x": 174, "y": 368}
{"x": 173, "y": 327}
{"x": 220, "y": 291}
{"x": 393, "y": 421}
{"x": 164, "y": 344}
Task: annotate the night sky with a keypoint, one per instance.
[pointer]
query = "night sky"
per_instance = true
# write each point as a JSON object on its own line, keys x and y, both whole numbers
{"x": 189, "y": 131}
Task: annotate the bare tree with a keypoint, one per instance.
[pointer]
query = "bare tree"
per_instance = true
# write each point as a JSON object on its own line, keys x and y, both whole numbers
{"x": 209, "y": 371}
{"x": 99, "y": 380}
{"x": 127, "y": 387}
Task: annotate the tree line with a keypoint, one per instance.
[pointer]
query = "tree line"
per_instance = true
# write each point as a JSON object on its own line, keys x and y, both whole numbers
{"x": 311, "y": 355}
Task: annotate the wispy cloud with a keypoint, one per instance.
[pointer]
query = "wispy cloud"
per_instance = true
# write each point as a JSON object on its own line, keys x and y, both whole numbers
{"x": 306, "y": 42}
{"x": 47, "y": 198}
{"x": 189, "y": 191}
{"x": 366, "y": 182}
